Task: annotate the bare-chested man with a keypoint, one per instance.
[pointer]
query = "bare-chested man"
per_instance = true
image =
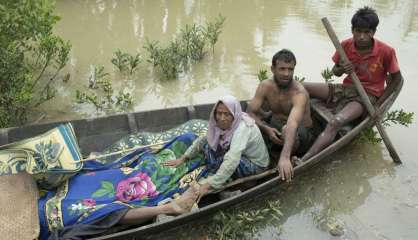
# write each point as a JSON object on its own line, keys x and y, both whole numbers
{"x": 289, "y": 127}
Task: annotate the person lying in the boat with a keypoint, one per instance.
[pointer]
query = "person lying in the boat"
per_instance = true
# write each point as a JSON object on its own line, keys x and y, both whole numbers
{"x": 233, "y": 146}
{"x": 129, "y": 216}
{"x": 289, "y": 127}
{"x": 130, "y": 190}
{"x": 372, "y": 60}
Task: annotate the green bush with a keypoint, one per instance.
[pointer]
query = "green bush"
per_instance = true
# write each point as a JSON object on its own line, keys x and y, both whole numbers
{"x": 31, "y": 57}
{"x": 213, "y": 30}
{"x": 125, "y": 61}
{"x": 262, "y": 75}
{"x": 101, "y": 94}
{"x": 189, "y": 46}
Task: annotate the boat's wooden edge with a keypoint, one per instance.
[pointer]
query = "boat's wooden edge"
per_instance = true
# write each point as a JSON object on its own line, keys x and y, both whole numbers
{"x": 95, "y": 134}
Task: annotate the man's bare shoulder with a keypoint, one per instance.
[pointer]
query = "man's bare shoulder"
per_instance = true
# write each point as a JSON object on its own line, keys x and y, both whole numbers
{"x": 267, "y": 83}
{"x": 299, "y": 89}
{"x": 266, "y": 86}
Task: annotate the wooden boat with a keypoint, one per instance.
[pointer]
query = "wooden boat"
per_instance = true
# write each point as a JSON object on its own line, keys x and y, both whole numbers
{"x": 96, "y": 134}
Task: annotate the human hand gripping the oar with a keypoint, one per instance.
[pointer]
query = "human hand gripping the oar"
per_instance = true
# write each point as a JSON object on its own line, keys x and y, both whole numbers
{"x": 342, "y": 67}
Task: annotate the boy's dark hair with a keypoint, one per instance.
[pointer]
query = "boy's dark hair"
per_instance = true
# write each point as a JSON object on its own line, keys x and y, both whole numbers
{"x": 365, "y": 17}
{"x": 284, "y": 55}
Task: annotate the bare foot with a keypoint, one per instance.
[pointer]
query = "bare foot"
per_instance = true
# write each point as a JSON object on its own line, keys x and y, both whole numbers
{"x": 185, "y": 202}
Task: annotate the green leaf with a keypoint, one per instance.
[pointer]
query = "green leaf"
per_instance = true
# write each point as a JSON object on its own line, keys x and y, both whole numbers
{"x": 100, "y": 193}
{"x": 179, "y": 148}
{"x": 108, "y": 186}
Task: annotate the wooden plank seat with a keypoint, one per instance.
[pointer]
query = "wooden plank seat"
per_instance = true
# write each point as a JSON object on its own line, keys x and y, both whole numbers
{"x": 326, "y": 113}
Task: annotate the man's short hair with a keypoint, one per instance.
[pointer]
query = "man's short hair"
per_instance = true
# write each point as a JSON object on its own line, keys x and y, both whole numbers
{"x": 284, "y": 55}
{"x": 365, "y": 17}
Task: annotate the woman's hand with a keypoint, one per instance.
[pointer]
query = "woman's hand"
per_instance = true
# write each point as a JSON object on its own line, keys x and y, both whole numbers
{"x": 176, "y": 162}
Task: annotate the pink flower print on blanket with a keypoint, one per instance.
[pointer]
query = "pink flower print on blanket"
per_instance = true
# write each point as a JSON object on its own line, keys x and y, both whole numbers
{"x": 89, "y": 202}
{"x": 136, "y": 188}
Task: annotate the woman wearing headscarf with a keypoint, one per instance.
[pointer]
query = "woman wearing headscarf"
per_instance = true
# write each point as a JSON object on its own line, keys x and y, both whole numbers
{"x": 233, "y": 146}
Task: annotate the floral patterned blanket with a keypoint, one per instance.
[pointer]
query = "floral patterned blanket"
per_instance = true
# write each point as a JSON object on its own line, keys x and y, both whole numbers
{"x": 137, "y": 179}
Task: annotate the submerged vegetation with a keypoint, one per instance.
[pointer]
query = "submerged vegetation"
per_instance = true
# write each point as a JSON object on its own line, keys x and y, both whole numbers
{"x": 125, "y": 61}
{"x": 101, "y": 94}
{"x": 395, "y": 117}
{"x": 263, "y": 75}
{"x": 299, "y": 79}
{"x": 398, "y": 117}
{"x": 243, "y": 224}
{"x": 213, "y": 30}
{"x": 187, "y": 47}
{"x": 32, "y": 58}
{"x": 169, "y": 59}
{"x": 327, "y": 75}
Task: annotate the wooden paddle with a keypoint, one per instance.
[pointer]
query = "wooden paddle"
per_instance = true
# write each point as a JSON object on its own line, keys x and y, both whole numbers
{"x": 361, "y": 92}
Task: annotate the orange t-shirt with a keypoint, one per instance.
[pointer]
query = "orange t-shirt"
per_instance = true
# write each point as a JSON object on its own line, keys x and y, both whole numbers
{"x": 372, "y": 68}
